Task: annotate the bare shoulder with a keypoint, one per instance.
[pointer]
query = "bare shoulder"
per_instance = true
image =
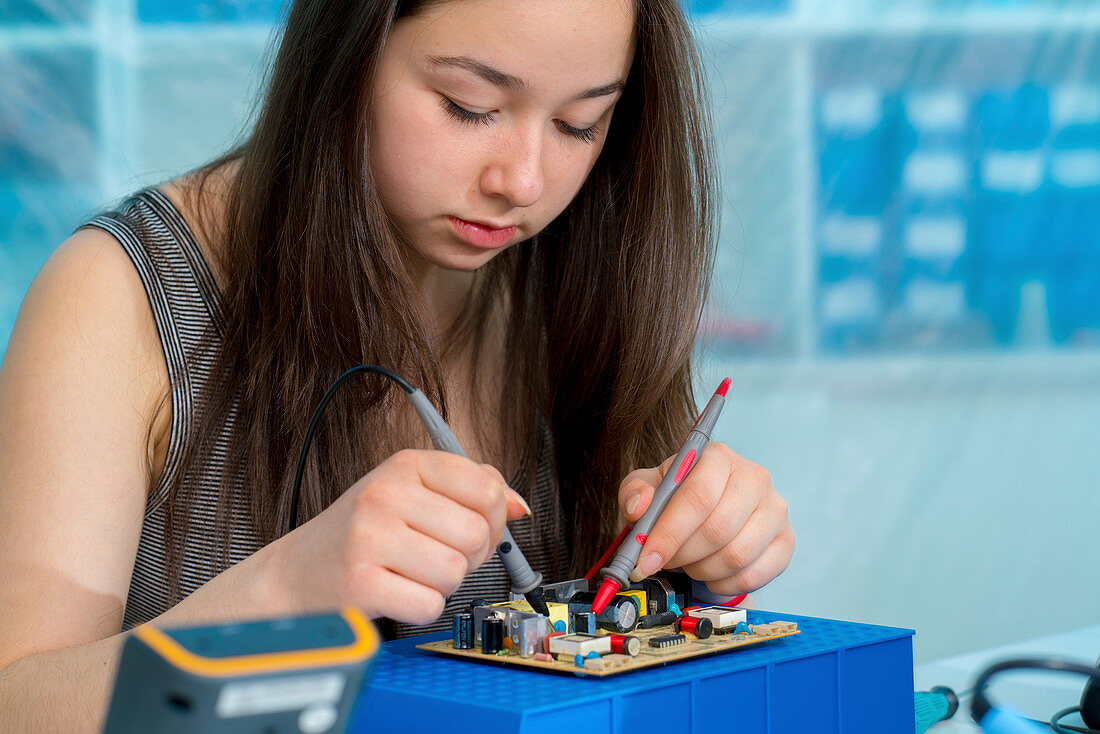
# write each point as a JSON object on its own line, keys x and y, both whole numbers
{"x": 86, "y": 298}
{"x": 81, "y": 384}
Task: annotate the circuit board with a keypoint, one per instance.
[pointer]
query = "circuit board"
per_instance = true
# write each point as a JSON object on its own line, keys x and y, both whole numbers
{"x": 647, "y": 656}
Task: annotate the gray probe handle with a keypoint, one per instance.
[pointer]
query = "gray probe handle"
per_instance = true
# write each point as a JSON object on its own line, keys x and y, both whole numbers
{"x": 626, "y": 558}
{"x": 524, "y": 578}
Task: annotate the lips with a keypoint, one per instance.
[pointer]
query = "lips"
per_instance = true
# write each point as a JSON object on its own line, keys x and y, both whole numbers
{"x": 482, "y": 235}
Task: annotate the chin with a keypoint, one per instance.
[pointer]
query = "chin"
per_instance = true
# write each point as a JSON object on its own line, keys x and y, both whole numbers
{"x": 461, "y": 257}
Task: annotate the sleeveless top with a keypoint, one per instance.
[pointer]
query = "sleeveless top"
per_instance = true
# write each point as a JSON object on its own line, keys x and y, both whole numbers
{"x": 185, "y": 302}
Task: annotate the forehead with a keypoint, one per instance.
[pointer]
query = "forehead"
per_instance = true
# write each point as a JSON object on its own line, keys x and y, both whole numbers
{"x": 555, "y": 46}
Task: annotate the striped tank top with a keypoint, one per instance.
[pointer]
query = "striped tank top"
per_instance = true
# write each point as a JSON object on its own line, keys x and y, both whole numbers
{"x": 184, "y": 299}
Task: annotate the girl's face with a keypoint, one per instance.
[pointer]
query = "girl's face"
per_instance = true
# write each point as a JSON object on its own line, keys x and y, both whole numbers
{"x": 494, "y": 112}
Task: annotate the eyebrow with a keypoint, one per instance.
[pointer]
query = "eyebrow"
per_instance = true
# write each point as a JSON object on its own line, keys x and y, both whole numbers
{"x": 514, "y": 83}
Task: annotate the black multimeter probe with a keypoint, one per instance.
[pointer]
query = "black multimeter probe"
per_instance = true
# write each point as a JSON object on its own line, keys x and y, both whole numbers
{"x": 525, "y": 580}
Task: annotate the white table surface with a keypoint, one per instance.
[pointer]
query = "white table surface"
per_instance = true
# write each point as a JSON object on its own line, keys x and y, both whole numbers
{"x": 1038, "y": 694}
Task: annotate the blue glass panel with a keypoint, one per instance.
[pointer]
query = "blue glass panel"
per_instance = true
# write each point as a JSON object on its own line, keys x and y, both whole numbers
{"x": 209, "y": 11}
{"x": 47, "y": 115}
{"x": 45, "y": 12}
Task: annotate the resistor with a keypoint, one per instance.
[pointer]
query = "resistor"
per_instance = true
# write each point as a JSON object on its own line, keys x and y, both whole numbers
{"x": 657, "y": 620}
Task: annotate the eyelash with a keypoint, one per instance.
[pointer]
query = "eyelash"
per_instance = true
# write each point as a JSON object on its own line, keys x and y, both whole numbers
{"x": 585, "y": 135}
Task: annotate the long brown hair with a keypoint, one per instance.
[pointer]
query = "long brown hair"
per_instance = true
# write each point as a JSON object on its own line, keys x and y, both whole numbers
{"x": 602, "y": 306}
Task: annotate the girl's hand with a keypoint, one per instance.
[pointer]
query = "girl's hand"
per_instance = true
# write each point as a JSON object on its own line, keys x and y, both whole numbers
{"x": 398, "y": 542}
{"x": 726, "y": 525}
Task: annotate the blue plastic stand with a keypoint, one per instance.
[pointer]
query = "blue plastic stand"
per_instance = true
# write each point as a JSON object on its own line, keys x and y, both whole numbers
{"x": 834, "y": 678}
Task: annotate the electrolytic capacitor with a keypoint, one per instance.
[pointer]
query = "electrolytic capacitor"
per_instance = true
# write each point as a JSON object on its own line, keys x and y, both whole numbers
{"x": 620, "y": 616}
{"x": 492, "y": 635}
{"x": 462, "y": 631}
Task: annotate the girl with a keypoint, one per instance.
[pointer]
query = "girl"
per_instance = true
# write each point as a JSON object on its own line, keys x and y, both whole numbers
{"x": 508, "y": 204}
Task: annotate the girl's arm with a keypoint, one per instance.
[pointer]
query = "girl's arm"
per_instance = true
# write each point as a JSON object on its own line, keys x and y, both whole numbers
{"x": 68, "y": 689}
{"x": 80, "y": 385}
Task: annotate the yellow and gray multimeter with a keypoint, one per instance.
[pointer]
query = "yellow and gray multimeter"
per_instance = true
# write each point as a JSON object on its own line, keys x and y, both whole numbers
{"x": 288, "y": 675}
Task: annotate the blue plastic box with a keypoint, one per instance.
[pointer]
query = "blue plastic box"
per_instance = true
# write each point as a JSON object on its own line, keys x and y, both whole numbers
{"x": 834, "y": 678}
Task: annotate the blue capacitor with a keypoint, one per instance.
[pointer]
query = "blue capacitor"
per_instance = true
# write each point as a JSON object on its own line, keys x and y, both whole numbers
{"x": 462, "y": 631}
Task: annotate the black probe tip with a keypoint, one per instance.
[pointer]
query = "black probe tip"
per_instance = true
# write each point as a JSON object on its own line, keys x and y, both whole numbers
{"x": 537, "y": 601}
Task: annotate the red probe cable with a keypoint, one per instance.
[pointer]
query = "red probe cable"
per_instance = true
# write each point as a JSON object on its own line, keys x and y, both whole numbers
{"x": 591, "y": 575}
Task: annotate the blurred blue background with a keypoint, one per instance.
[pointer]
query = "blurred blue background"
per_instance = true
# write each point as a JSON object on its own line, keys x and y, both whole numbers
{"x": 908, "y": 291}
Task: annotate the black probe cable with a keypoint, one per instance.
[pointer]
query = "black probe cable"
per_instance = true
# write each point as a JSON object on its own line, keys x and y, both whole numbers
{"x": 525, "y": 580}
{"x": 317, "y": 419}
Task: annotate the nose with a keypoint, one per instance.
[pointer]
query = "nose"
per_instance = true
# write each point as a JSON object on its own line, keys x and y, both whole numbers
{"x": 514, "y": 170}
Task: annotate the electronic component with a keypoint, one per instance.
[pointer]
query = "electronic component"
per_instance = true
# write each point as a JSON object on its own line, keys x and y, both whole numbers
{"x": 492, "y": 635}
{"x": 667, "y": 640}
{"x": 720, "y": 617}
{"x": 625, "y": 645}
{"x": 299, "y": 674}
{"x": 560, "y": 592}
{"x": 639, "y": 596}
{"x": 584, "y": 622}
{"x": 659, "y": 594}
{"x": 526, "y": 630}
{"x": 773, "y": 628}
{"x": 620, "y": 615}
{"x": 559, "y": 612}
{"x": 579, "y": 644}
{"x": 701, "y": 627}
{"x": 546, "y": 640}
{"x": 607, "y": 662}
{"x": 462, "y": 631}
{"x": 657, "y": 620}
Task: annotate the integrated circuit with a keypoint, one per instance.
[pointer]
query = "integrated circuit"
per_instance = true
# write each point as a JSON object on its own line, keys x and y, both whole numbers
{"x": 667, "y": 641}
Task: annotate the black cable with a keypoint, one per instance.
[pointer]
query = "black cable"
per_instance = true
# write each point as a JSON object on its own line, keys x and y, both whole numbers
{"x": 1056, "y": 725}
{"x": 981, "y": 705}
{"x": 317, "y": 419}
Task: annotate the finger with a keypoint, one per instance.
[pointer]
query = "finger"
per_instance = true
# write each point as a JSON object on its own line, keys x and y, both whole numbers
{"x": 452, "y": 524}
{"x": 636, "y": 492}
{"x": 772, "y": 562}
{"x": 692, "y": 503}
{"x": 636, "y": 489}
{"x": 748, "y": 544}
{"x": 401, "y": 599}
{"x": 458, "y": 478}
{"x": 426, "y": 561}
{"x": 727, "y": 521}
{"x": 517, "y": 505}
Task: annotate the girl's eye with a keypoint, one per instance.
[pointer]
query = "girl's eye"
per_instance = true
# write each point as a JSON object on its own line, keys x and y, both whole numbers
{"x": 585, "y": 135}
{"x": 464, "y": 115}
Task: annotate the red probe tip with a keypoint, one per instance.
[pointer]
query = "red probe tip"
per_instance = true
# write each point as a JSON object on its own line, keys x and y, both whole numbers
{"x": 723, "y": 387}
{"x": 608, "y": 589}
